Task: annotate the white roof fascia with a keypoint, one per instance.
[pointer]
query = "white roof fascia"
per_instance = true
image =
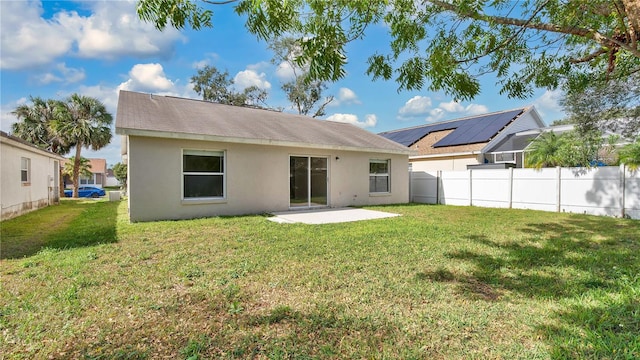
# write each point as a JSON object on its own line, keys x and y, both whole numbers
{"x": 444, "y": 155}
{"x": 505, "y": 132}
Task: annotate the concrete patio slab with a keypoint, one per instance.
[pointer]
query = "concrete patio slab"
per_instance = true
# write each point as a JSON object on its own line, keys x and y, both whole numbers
{"x": 328, "y": 216}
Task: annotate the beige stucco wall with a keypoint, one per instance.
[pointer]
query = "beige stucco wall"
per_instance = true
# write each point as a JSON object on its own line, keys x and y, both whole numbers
{"x": 257, "y": 179}
{"x": 17, "y": 198}
{"x": 444, "y": 163}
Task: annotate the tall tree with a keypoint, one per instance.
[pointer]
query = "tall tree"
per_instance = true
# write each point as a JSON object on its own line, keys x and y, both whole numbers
{"x": 217, "y": 86}
{"x": 613, "y": 106}
{"x": 445, "y": 45}
{"x": 86, "y": 121}
{"x": 304, "y": 93}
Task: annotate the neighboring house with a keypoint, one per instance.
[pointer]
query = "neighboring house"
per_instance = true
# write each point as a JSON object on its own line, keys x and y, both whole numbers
{"x": 189, "y": 158}
{"x": 30, "y": 177}
{"x": 486, "y": 140}
{"x": 98, "y": 176}
{"x": 111, "y": 179}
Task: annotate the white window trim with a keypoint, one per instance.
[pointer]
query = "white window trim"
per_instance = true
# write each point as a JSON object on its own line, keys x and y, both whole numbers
{"x": 387, "y": 175}
{"x": 27, "y": 169}
{"x": 92, "y": 180}
{"x": 203, "y": 200}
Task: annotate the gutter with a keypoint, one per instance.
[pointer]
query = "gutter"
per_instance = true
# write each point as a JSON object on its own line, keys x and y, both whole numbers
{"x": 476, "y": 152}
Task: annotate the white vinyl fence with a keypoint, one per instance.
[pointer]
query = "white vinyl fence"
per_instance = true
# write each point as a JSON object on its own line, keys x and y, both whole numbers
{"x": 610, "y": 191}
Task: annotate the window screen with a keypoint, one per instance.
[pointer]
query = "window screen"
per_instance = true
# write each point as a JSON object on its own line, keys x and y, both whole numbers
{"x": 203, "y": 174}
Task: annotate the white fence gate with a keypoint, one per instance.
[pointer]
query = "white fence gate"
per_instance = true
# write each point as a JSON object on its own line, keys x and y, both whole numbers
{"x": 611, "y": 191}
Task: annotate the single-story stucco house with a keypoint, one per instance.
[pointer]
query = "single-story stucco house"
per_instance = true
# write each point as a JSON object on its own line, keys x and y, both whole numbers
{"x": 481, "y": 140}
{"x": 29, "y": 176}
{"x": 190, "y": 158}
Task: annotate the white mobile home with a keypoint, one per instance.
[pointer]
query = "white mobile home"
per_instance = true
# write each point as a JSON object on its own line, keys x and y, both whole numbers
{"x": 30, "y": 177}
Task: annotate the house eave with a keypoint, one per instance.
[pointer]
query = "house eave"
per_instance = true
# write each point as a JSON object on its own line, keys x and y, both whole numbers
{"x": 251, "y": 141}
{"x": 31, "y": 148}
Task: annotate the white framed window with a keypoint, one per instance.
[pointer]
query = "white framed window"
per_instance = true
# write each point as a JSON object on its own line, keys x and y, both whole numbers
{"x": 379, "y": 176}
{"x": 88, "y": 180}
{"x": 504, "y": 157}
{"x": 25, "y": 170}
{"x": 203, "y": 174}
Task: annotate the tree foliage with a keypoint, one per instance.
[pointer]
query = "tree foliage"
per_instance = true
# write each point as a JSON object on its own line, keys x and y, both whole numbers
{"x": 304, "y": 93}
{"x": 120, "y": 172}
{"x": 84, "y": 168}
{"x": 34, "y": 125}
{"x": 614, "y": 106}
{"x": 217, "y": 86}
{"x": 445, "y": 45}
{"x": 570, "y": 149}
{"x": 630, "y": 155}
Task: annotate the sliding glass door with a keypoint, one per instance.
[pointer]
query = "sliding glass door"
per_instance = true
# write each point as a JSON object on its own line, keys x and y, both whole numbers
{"x": 307, "y": 181}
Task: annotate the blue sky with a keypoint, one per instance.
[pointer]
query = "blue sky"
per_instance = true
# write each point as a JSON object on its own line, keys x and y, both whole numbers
{"x": 52, "y": 49}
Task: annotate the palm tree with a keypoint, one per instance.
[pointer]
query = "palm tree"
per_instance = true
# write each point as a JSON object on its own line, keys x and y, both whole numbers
{"x": 86, "y": 121}
{"x": 83, "y": 170}
{"x": 544, "y": 151}
{"x": 630, "y": 155}
{"x": 34, "y": 126}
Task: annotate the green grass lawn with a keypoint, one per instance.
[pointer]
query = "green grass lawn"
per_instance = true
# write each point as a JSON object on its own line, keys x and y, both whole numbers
{"x": 79, "y": 281}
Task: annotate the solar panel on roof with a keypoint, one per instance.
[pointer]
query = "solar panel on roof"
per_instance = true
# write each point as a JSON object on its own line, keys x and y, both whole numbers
{"x": 407, "y": 137}
{"x": 479, "y": 129}
{"x": 466, "y": 131}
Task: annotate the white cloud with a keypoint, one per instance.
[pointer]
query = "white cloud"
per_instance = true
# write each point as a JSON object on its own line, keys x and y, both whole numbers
{"x": 370, "y": 120}
{"x": 285, "y": 72}
{"x": 62, "y": 73}
{"x": 454, "y": 108}
{"x": 147, "y": 77}
{"x": 419, "y": 106}
{"x": 345, "y": 96}
{"x": 476, "y": 109}
{"x": 27, "y": 39}
{"x": 416, "y": 106}
{"x": 249, "y": 77}
{"x": 111, "y": 31}
{"x": 451, "y": 106}
{"x": 549, "y": 102}
{"x": 209, "y": 58}
{"x": 6, "y": 117}
{"x": 114, "y": 30}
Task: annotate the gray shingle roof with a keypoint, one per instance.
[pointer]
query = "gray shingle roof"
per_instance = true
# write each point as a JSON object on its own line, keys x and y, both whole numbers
{"x": 165, "y": 116}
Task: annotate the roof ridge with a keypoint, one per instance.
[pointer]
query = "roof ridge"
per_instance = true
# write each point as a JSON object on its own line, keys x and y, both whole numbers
{"x": 524, "y": 109}
{"x": 151, "y": 95}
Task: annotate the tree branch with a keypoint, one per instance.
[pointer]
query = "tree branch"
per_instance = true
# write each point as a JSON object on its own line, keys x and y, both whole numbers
{"x": 588, "y": 57}
{"x": 528, "y": 24}
{"x": 509, "y": 39}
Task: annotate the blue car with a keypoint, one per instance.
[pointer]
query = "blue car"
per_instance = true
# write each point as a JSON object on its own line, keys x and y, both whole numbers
{"x": 86, "y": 191}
